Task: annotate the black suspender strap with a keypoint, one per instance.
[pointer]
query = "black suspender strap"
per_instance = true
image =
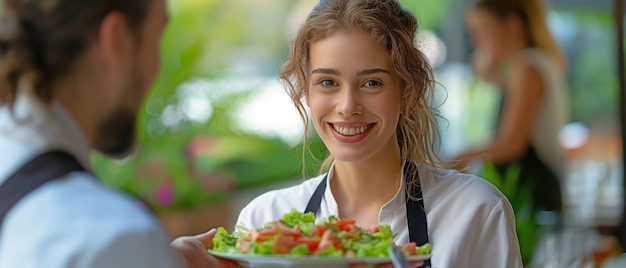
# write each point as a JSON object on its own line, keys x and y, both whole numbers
{"x": 316, "y": 199}
{"x": 415, "y": 212}
{"x": 39, "y": 170}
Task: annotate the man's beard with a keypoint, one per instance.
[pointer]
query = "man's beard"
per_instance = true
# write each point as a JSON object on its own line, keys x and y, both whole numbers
{"x": 115, "y": 136}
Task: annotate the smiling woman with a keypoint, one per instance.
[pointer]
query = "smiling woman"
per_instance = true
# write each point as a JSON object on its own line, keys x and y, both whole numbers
{"x": 368, "y": 90}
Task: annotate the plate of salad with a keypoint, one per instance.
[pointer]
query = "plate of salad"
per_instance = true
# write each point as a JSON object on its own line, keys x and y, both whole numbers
{"x": 296, "y": 240}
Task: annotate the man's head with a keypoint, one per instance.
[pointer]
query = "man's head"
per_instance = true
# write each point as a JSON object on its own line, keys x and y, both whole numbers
{"x": 98, "y": 57}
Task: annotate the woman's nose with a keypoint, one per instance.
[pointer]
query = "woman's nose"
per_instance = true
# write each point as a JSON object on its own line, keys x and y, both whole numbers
{"x": 349, "y": 103}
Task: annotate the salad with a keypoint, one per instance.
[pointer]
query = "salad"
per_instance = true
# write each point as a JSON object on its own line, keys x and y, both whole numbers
{"x": 297, "y": 234}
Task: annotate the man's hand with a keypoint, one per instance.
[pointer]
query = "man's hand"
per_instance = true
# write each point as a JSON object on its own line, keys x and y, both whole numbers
{"x": 193, "y": 249}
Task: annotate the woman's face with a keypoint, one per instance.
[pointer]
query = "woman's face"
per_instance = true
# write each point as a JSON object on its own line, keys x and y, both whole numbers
{"x": 488, "y": 33}
{"x": 354, "y": 96}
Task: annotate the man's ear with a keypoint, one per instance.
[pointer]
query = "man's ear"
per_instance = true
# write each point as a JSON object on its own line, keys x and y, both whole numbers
{"x": 114, "y": 39}
{"x": 514, "y": 23}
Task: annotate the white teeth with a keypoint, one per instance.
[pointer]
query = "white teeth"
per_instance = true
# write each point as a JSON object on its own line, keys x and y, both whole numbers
{"x": 351, "y": 131}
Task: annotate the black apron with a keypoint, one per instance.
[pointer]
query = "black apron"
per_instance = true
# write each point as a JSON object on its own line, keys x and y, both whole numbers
{"x": 415, "y": 213}
{"x": 545, "y": 184}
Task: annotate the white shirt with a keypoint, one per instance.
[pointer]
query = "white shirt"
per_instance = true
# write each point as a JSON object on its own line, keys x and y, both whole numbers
{"x": 552, "y": 114}
{"x": 73, "y": 221}
{"x": 470, "y": 223}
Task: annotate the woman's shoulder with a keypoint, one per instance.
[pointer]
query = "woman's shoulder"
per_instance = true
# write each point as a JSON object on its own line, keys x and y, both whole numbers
{"x": 536, "y": 59}
{"x": 304, "y": 188}
{"x": 273, "y": 204}
{"x": 462, "y": 186}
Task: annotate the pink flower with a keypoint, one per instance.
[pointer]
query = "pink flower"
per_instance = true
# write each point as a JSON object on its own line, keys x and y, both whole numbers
{"x": 165, "y": 195}
{"x": 215, "y": 182}
{"x": 151, "y": 168}
{"x": 200, "y": 145}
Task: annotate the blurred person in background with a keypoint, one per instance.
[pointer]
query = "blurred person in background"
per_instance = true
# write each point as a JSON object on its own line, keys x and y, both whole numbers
{"x": 73, "y": 75}
{"x": 515, "y": 50}
{"x": 368, "y": 88}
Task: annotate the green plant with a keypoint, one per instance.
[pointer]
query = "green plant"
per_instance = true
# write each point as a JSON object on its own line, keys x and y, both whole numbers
{"x": 182, "y": 161}
{"x": 190, "y": 172}
{"x": 521, "y": 199}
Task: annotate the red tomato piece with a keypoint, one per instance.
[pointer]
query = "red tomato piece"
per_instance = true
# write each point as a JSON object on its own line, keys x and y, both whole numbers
{"x": 283, "y": 229}
{"x": 283, "y": 244}
{"x": 345, "y": 225}
{"x": 311, "y": 243}
{"x": 410, "y": 248}
{"x": 264, "y": 234}
{"x": 320, "y": 229}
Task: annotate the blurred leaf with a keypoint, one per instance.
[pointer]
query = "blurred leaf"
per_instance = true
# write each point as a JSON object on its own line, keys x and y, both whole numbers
{"x": 429, "y": 13}
{"x": 521, "y": 199}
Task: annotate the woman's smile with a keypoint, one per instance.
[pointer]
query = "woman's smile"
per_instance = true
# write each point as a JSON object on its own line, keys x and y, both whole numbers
{"x": 351, "y": 132}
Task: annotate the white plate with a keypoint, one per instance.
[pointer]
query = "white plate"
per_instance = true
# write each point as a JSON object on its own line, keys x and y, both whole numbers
{"x": 306, "y": 261}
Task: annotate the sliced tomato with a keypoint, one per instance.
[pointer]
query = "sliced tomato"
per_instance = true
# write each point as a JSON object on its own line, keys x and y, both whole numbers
{"x": 243, "y": 246}
{"x": 283, "y": 229}
{"x": 328, "y": 239}
{"x": 410, "y": 248}
{"x": 310, "y": 242}
{"x": 264, "y": 234}
{"x": 320, "y": 229}
{"x": 283, "y": 244}
{"x": 345, "y": 225}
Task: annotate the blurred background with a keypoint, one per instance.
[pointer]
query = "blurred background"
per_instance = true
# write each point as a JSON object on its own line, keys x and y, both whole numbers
{"x": 218, "y": 128}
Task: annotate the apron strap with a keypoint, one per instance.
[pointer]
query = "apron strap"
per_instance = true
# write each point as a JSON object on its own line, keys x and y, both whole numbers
{"x": 415, "y": 212}
{"x": 39, "y": 170}
{"x": 316, "y": 199}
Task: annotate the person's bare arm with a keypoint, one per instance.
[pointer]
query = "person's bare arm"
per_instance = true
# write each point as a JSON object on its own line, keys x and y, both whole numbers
{"x": 524, "y": 93}
{"x": 487, "y": 68}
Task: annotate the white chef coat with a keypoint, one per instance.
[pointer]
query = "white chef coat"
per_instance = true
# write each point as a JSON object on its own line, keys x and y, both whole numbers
{"x": 74, "y": 221}
{"x": 470, "y": 223}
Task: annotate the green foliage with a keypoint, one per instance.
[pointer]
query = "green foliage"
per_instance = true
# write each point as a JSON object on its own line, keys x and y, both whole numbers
{"x": 428, "y": 12}
{"x": 521, "y": 199}
{"x": 592, "y": 76}
{"x": 187, "y": 172}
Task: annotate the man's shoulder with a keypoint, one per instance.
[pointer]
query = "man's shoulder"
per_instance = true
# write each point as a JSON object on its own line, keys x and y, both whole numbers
{"x": 79, "y": 195}
{"x": 81, "y": 201}
{"x": 78, "y": 215}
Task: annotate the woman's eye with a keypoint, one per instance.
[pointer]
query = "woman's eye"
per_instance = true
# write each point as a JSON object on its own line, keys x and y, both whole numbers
{"x": 326, "y": 83}
{"x": 373, "y": 83}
